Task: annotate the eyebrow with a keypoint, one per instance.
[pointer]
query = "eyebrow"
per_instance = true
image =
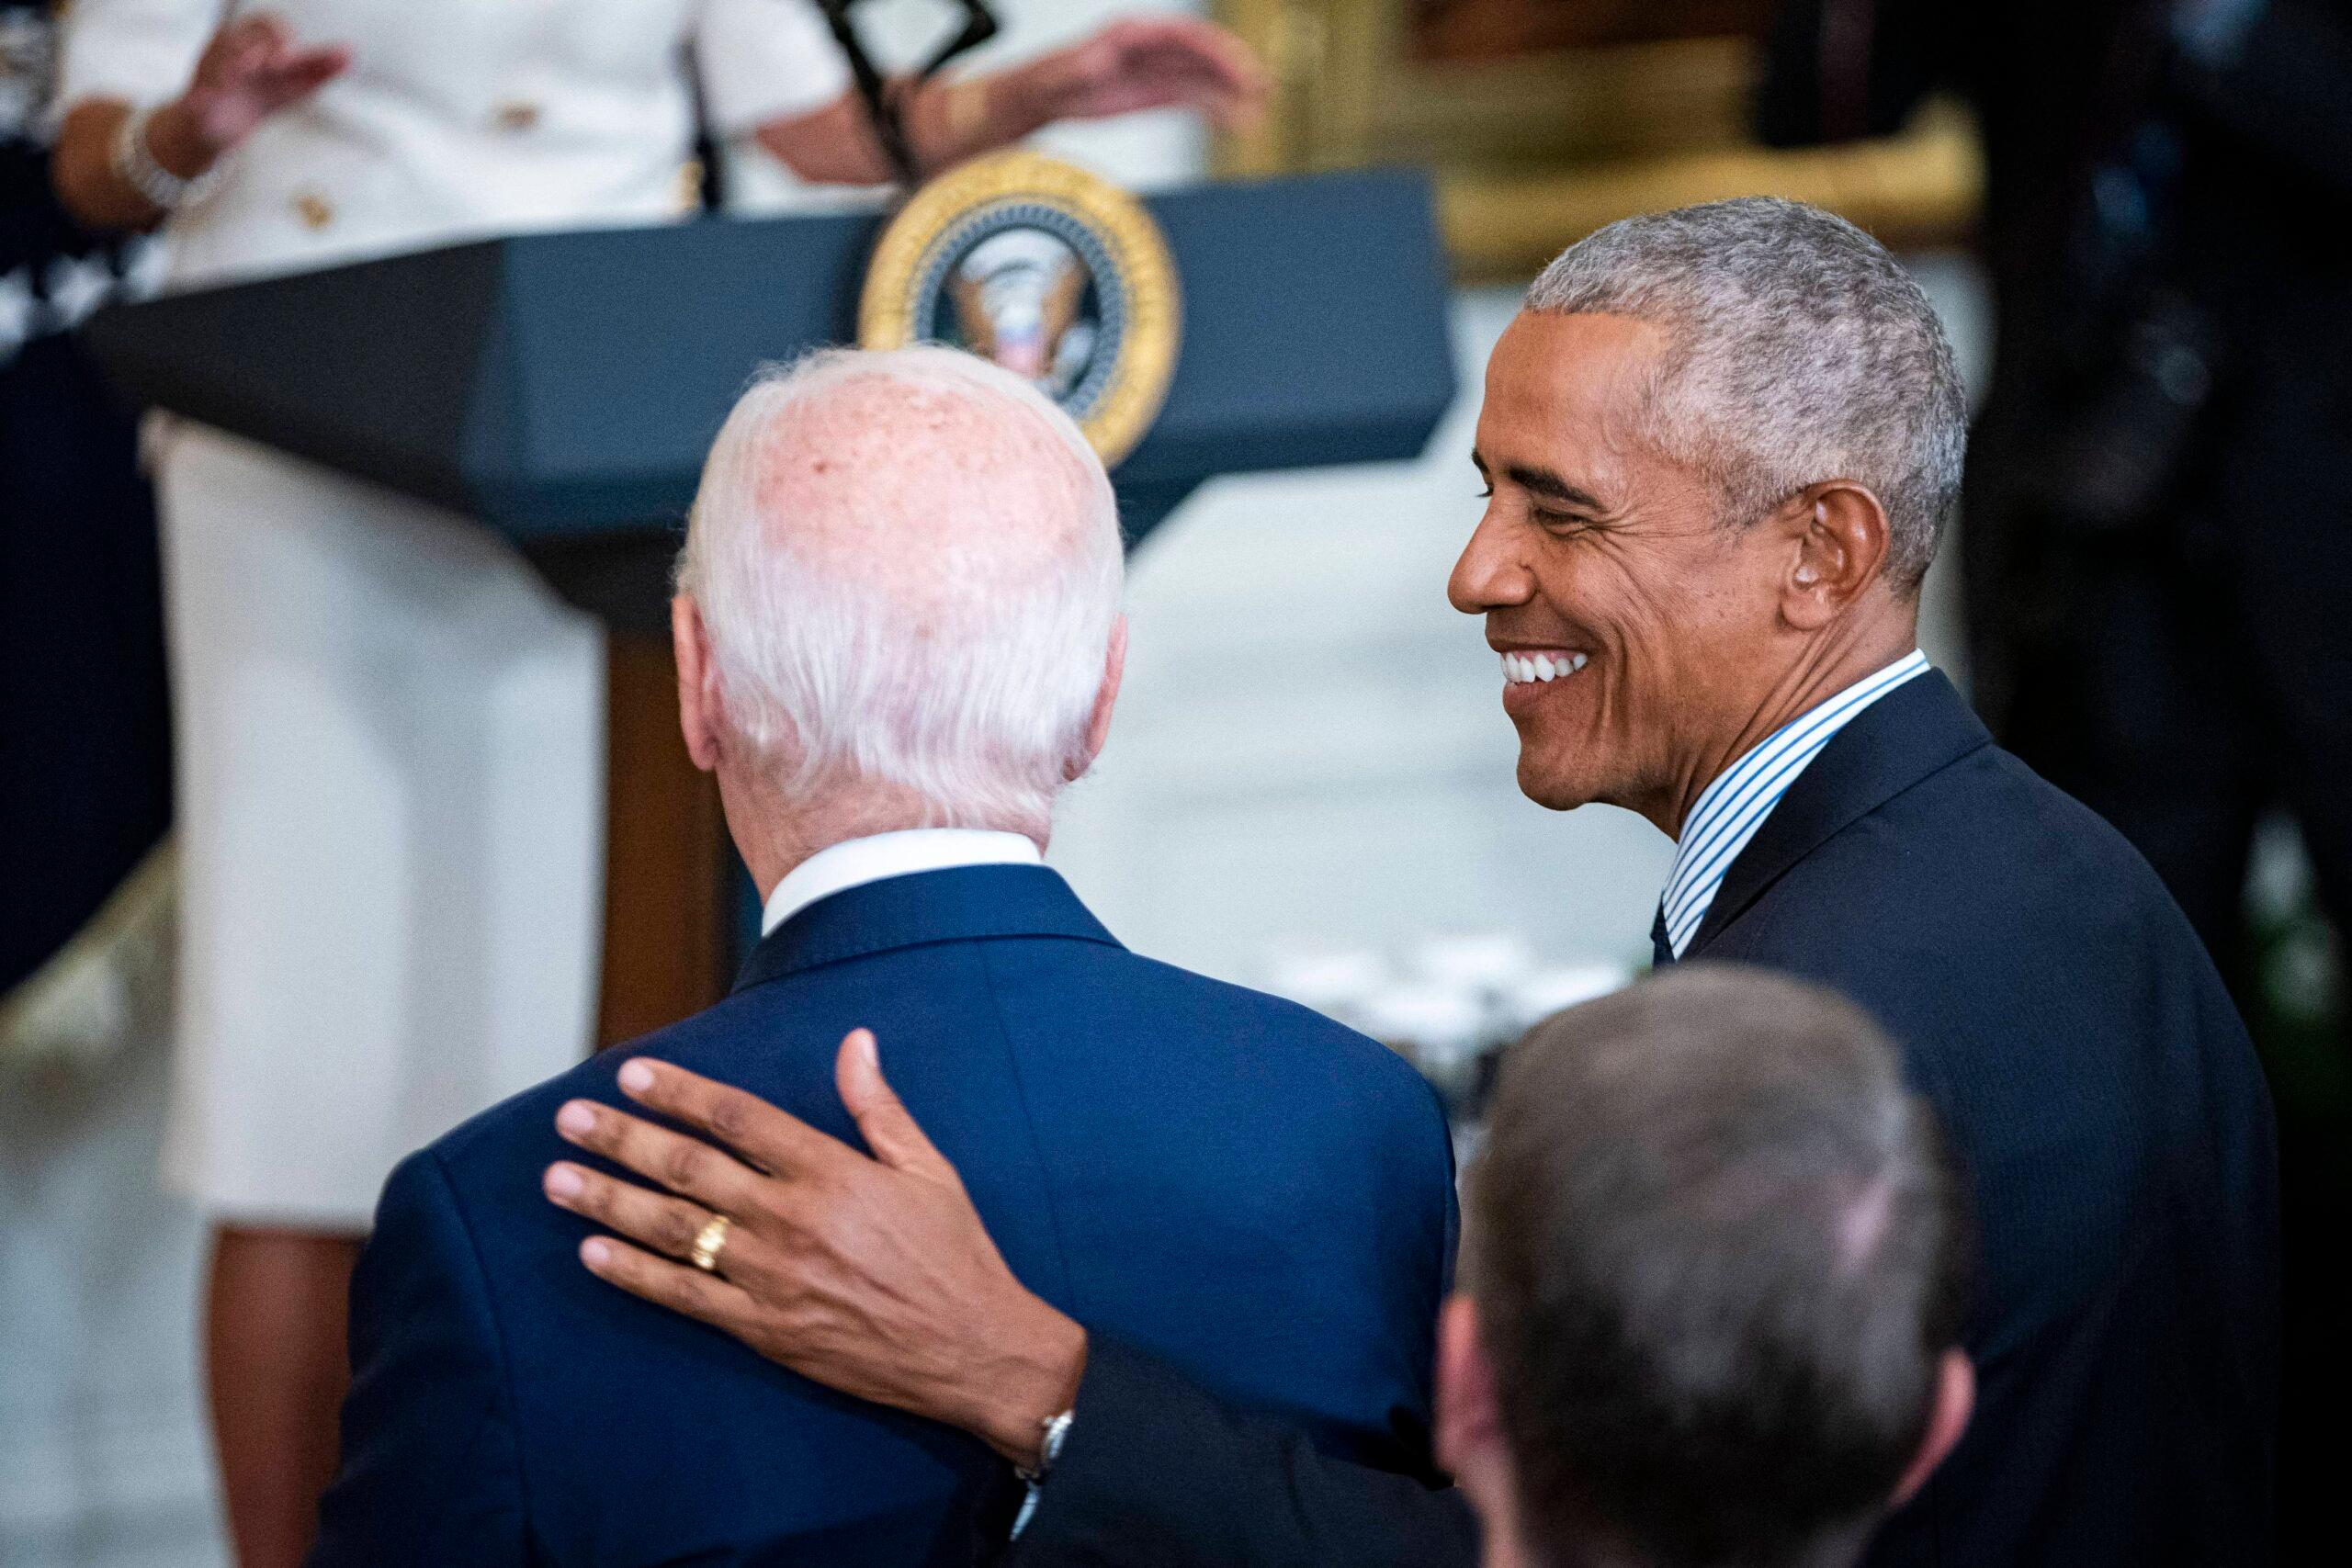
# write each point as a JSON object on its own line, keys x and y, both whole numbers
{"x": 1545, "y": 482}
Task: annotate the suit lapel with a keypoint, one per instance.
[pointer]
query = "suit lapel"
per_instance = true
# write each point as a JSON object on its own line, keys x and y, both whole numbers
{"x": 957, "y": 905}
{"x": 1920, "y": 728}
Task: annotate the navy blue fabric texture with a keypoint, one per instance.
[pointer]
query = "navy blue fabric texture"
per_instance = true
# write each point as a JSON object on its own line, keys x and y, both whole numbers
{"x": 1258, "y": 1197}
{"x": 2051, "y": 1001}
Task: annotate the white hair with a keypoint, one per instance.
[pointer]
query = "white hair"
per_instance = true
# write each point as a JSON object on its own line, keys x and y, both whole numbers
{"x": 1801, "y": 351}
{"x": 977, "y": 697}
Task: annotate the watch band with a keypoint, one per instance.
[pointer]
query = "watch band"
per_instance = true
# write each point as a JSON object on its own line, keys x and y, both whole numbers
{"x": 134, "y": 161}
{"x": 1049, "y": 1449}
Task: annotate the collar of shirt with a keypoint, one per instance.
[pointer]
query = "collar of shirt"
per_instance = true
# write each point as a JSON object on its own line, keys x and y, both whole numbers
{"x": 1729, "y": 811}
{"x": 855, "y": 862}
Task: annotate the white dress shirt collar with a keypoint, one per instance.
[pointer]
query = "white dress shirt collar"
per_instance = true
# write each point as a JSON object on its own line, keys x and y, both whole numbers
{"x": 855, "y": 862}
{"x": 1729, "y": 811}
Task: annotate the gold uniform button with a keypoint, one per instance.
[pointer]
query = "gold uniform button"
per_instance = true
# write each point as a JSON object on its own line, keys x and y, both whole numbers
{"x": 313, "y": 210}
{"x": 518, "y": 116}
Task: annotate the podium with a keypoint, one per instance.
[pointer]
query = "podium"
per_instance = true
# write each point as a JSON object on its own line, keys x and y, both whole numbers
{"x": 563, "y": 389}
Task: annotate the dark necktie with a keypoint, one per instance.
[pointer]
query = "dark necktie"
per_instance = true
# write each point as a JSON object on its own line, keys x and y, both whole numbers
{"x": 1661, "y": 950}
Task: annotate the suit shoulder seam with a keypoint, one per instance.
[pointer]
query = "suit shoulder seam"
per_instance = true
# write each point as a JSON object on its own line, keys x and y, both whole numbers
{"x": 1029, "y": 1124}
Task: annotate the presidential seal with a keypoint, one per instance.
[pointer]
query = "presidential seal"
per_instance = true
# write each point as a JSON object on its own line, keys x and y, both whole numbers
{"x": 1052, "y": 272}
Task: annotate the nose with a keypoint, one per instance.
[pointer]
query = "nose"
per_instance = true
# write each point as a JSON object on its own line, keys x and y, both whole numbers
{"x": 1489, "y": 576}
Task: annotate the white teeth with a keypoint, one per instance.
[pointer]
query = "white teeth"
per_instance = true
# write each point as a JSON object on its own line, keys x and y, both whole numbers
{"x": 1520, "y": 669}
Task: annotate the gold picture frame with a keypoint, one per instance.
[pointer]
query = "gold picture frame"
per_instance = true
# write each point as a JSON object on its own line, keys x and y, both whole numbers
{"x": 1623, "y": 128}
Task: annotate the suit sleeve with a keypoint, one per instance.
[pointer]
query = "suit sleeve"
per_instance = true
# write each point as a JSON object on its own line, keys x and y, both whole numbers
{"x": 432, "y": 1471}
{"x": 1158, "y": 1474}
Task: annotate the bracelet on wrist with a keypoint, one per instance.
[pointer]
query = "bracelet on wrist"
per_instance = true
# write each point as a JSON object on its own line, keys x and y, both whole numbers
{"x": 135, "y": 163}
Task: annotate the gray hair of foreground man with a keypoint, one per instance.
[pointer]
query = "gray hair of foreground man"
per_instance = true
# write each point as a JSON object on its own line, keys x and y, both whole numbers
{"x": 1718, "y": 1266}
{"x": 1801, "y": 352}
{"x": 908, "y": 565}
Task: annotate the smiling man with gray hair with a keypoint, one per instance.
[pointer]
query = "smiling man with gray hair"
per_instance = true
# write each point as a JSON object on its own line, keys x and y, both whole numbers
{"x": 1720, "y": 445}
{"x": 898, "y": 639}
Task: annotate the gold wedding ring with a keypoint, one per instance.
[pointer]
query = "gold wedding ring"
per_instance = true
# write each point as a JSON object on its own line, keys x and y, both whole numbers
{"x": 710, "y": 1242}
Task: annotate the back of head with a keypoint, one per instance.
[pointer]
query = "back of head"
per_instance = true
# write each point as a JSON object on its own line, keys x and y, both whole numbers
{"x": 909, "y": 566}
{"x": 1716, "y": 1260}
{"x": 1801, "y": 351}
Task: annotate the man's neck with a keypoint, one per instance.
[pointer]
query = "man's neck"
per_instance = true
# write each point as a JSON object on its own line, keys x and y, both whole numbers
{"x": 775, "y": 839}
{"x": 1820, "y": 673}
{"x": 1500, "y": 1543}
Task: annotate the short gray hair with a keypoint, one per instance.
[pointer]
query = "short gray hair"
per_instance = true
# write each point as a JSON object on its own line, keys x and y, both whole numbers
{"x": 1800, "y": 351}
{"x": 980, "y": 702}
{"x": 1718, "y": 1251}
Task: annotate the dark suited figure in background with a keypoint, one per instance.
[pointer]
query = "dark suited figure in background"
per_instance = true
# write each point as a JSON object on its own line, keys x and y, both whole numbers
{"x": 86, "y": 762}
{"x": 898, "y": 639}
{"x": 1711, "y": 1288}
{"x": 1722, "y": 443}
{"x": 2158, "y": 538}
{"x": 2159, "y": 506}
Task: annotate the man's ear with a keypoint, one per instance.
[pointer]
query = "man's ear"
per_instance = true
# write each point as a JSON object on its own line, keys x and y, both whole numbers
{"x": 1955, "y": 1399}
{"x": 1469, "y": 1418}
{"x": 1842, "y": 536}
{"x": 700, "y": 709}
{"x": 1106, "y": 697}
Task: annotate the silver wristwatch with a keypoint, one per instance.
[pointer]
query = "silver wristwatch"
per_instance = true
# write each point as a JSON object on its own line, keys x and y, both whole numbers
{"x": 1057, "y": 1432}
{"x": 156, "y": 185}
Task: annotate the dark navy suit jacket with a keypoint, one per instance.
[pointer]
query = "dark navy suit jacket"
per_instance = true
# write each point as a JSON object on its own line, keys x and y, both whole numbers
{"x": 2052, "y": 1003}
{"x": 1256, "y": 1194}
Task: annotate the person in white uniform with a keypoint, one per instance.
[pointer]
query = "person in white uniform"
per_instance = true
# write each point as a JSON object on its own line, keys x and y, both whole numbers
{"x": 390, "y": 731}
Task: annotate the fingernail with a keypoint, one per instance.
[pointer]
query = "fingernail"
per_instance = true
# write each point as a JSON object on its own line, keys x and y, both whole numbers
{"x": 563, "y": 1181}
{"x": 637, "y": 1077}
{"x": 865, "y": 1051}
{"x": 575, "y": 1117}
{"x": 595, "y": 1252}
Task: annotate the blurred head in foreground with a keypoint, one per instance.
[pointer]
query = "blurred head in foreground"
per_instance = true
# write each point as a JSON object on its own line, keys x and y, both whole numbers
{"x": 1711, "y": 1290}
{"x": 898, "y": 603}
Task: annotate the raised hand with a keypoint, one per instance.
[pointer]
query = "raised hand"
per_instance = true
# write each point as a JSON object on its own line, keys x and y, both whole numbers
{"x": 872, "y": 1275}
{"x": 251, "y": 69}
{"x": 1146, "y": 62}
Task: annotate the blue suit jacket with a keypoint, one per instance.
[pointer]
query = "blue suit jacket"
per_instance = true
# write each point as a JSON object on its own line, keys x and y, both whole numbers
{"x": 2052, "y": 1003}
{"x": 2098, "y": 1087}
{"x": 1260, "y": 1197}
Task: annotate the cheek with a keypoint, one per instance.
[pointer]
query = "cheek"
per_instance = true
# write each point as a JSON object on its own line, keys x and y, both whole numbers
{"x": 1611, "y": 608}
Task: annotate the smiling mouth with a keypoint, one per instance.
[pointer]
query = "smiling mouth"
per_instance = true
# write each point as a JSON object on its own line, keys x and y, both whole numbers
{"x": 1534, "y": 666}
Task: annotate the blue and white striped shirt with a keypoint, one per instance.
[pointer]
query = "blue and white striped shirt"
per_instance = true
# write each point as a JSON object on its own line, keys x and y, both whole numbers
{"x": 1730, "y": 810}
